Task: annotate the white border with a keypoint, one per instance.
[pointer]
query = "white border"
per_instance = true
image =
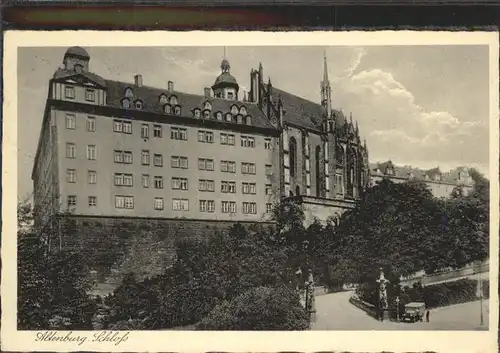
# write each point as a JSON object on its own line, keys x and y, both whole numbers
{"x": 178, "y": 341}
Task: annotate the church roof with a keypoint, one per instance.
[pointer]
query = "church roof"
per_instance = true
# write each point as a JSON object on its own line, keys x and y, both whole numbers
{"x": 150, "y": 98}
{"x": 302, "y": 112}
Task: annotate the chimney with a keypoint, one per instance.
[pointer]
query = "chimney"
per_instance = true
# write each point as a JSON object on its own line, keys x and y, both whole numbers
{"x": 207, "y": 92}
{"x": 170, "y": 86}
{"x": 138, "y": 80}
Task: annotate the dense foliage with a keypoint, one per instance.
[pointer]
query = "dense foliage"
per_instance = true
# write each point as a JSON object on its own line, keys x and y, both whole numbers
{"x": 52, "y": 287}
{"x": 260, "y": 308}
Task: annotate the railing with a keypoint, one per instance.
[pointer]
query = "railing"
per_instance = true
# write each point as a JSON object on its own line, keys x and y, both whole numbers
{"x": 368, "y": 308}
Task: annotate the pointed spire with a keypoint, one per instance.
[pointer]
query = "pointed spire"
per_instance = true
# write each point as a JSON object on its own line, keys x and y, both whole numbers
{"x": 357, "y": 127}
{"x": 325, "y": 69}
{"x": 244, "y": 96}
{"x": 261, "y": 72}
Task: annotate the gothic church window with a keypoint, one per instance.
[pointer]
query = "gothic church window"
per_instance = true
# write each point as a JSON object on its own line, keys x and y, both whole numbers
{"x": 318, "y": 177}
{"x": 293, "y": 156}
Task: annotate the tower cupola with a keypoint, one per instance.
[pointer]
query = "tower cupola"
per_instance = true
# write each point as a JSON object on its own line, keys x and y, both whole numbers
{"x": 225, "y": 85}
{"x": 76, "y": 59}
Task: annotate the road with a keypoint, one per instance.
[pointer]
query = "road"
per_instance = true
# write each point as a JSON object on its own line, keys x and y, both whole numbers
{"x": 334, "y": 312}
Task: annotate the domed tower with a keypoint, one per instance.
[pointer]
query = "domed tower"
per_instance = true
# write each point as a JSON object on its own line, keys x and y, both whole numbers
{"x": 76, "y": 59}
{"x": 225, "y": 85}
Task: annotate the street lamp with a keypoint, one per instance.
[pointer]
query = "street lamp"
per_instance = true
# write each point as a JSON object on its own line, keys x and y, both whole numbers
{"x": 397, "y": 308}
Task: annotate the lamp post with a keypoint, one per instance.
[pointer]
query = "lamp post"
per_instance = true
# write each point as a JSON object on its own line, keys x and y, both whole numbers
{"x": 397, "y": 308}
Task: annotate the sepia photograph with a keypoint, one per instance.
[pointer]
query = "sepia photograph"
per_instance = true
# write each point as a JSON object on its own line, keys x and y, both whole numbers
{"x": 253, "y": 188}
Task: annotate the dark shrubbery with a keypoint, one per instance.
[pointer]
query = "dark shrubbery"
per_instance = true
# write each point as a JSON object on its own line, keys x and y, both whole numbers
{"x": 261, "y": 308}
{"x": 450, "y": 293}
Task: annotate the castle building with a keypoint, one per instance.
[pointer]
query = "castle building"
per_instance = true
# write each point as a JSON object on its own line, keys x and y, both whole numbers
{"x": 119, "y": 150}
{"x": 440, "y": 184}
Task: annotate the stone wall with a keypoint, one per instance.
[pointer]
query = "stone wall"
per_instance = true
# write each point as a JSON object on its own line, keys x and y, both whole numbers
{"x": 114, "y": 247}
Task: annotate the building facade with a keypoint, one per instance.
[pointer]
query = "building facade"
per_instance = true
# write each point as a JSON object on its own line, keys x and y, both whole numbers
{"x": 118, "y": 149}
{"x": 440, "y": 184}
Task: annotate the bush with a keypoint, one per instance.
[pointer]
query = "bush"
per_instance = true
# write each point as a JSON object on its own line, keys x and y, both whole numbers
{"x": 450, "y": 293}
{"x": 261, "y": 308}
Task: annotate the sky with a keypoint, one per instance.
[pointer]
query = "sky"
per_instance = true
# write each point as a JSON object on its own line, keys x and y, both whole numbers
{"x": 424, "y": 106}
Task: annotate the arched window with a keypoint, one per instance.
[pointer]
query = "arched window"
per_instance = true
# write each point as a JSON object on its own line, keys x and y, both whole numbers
{"x": 293, "y": 156}
{"x": 163, "y": 99}
{"x": 125, "y": 103}
{"x": 219, "y": 116}
{"x": 229, "y": 117}
{"x": 138, "y": 105}
{"x": 239, "y": 119}
{"x": 168, "y": 109}
{"x": 249, "y": 120}
{"x": 128, "y": 92}
{"x": 317, "y": 156}
{"x": 297, "y": 190}
{"x": 339, "y": 156}
{"x": 173, "y": 100}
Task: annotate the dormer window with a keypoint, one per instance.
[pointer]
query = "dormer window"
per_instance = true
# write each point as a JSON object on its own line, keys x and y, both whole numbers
{"x": 167, "y": 109}
{"x": 229, "y": 117}
{"x": 78, "y": 68}
{"x": 197, "y": 113}
{"x": 206, "y": 114}
{"x": 177, "y": 110}
{"x": 239, "y": 119}
{"x": 163, "y": 99}
{"x": 230, "y": 95}
{"x": 173, "y": 100}
{"x": 138, "y": 105}
{"x": 234, "y": 110}
{"x": 218, "y": 115}
{"x": 126, "y": 103}
{"x": 249, "y": 120}
{"x": 208, "y": 106}
{"x": 243, "y": 111}
{"x": 129, "y": 93}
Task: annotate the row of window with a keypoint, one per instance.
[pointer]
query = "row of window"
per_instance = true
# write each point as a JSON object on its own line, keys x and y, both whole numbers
{"x": 127, "y": 202}
{"x": 69, "y": 93}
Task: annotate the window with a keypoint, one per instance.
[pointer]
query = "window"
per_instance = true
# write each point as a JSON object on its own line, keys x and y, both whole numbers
{"x": 228, "y": 166}
{"x": 123, "y": 157}
{"x": 269, "y": 208}
{"x": 243, "y": 111}
{"x": 180, "y": 205}
{"x": 228, "y": 206}
{"x": 267, "y": 144}
{"x": 205, "y": 164}
{"x": 117, "y": 126}
{"x": 69, "y": 92}
{"x": 70, "y": 121}
{"x": 145, "y": 157}
{"x": 71, "y": 200}
{"x": 163, "y": 99}
{"x": 92, "y": 177}
{"x": 197, "y": 113}
{"x": 90, "y": 124}
{"x": 248, "y": 168}
{"x": 138, "y": 105}
{"x": 269, "y": 169}
{"x": 206, "y": 185}
{"x": 124, "y": 202}
{"x": 206, "y": 114}
{"x": 157, "y": 131}
{"x": 179, "y": 162}
{"x": 167, "y": 109}
{"x": 71, "y": 175}
{"x": 177, "y": 133}
{"x": 177, "y": 110}
{"x": 239, "y": 119}
{"x": 207, "y": 205}
{"x": 247, "y": 141}
{"x": 70, "y": 150}
{"x": 127, "y": 127}
{"x": 227, "y": 139}
{"x": 228, "y": 187}
{"x": 125, "y": 103}
{"x": 122, "y": 126}
{"x": 229, "y": 117}
{"x": 122, "y": 179}
{"x": 293, "y": 156}
{"x": 92, "y": 201}
{"x": 230, "y": 95}
{"x": 90, "y": 95}
{"x": 248, "y": 120}
{"x": 158, "y": 182}
{"x": 129, "y": 93}
{"x": 234, "y": 110}
{"x": 317, "y": 155}
{"x": 179, "y": 183}
{"x": 205, "y": 136}
{"x": 158, "y": 203}
{"x": 219, "y": 116}
{"x": 269, "y": 189}
{"x": 145, "y": 180}
{"x": 249, "y": 208}
{"x": 339, "y": 182}
{"x": 158, "y": 160}
{"x": 144, "y": 131}
{"x": 249, "y": 188}
{"x": 91, "y": 152}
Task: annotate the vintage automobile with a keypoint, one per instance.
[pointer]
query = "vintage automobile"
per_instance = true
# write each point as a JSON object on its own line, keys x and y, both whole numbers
{"x": 414, "y": 312}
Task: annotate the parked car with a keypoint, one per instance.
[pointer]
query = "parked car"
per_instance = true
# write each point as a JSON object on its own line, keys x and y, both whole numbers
{"x": 414, "y": 312}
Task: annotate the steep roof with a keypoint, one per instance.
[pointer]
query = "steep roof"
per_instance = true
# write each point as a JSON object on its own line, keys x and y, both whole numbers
{"x": 303, "y": 112}
{"x": 150, "y": 98}
{"x": 63, "y": 73}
